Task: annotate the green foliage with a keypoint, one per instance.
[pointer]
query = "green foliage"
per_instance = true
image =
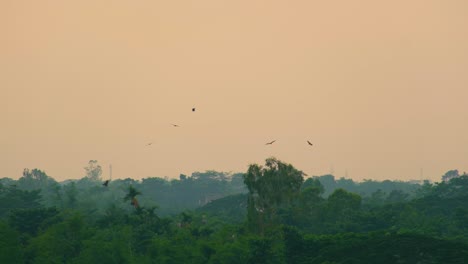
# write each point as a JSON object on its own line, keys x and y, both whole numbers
{"x": 234, "y": 252}
{"x": 309, "y": 210}
{"x": 314, "y": 183}
{"x": 282, "y": 219}
{"x": 131, "y": 196}
{"x": 231, "y": 209}
{"x": 341, "y": 200}
{"x": 341, "y": 209}
{"x": 59, "y": 243}
{"x": 10, "y": 247}
{"x": 381, "y": 248}
{"x": 365, "y": 188}
{"x": 189, "y": 193}
{"x": 71, "y": 195}
{"x": 397, "y": 196}
{"x": 29, "y": 221}
{"x": 271, "y": 188}
{"x": 13, "y": 198}
{"x": 132, "y": 193}
{"x": 262, "y": 250}
{"x": 377, "y": 198}
{"x": 451, "y": 174}
{"x": 34, "y": 179}
{"x": 109, "y": 245}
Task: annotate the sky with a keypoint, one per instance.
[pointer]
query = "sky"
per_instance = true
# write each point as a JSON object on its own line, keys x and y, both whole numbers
{"x": 379, "y": 87}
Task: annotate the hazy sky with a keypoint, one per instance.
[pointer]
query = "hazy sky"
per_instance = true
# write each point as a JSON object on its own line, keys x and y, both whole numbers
{"x": 379, "y": 87}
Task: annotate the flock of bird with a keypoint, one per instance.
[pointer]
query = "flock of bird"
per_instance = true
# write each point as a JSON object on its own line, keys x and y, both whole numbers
{"x": 175, "y": 125}
{"x": 268, "y": 143}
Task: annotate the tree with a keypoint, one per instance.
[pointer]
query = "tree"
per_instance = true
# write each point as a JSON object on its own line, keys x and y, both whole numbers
{"x": 270, "y": 188}
{"x": 328, "y": 182}
{"x": 13, "y": 198}
{"x": 131, "y": 195}
{"x": 342, "y": 208}
{"x": 10, "y": 247}
{"x": 425, "y": 189}
{"x": 341, "y": 199}
{"x": 59, "y": 243}
{"x": 310, "y": 197}
{"x": 93, "y": 170}
{"x": 34, "y": 179}
{"x": 210, "y": 175}
{"x": 377, "y": 198}
{"x": 397, "y": 196}
{"x": 450, "y": 175}
{"x": 71, "y": 194}
{"x": 315, "y": 183}
{"x": 307, "y": 212}
{"x": 106, "y": 247}
{"x": 29, "y": 221}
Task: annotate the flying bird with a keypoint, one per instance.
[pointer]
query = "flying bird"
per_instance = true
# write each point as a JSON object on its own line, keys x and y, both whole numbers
{"x": 174, "y": 125}
{"x": 106, "y": 183}
{"x": 149, "y": 144}
{"x": 269, "y": 143}
{"x": 193, "y": 109}
{"x": 309, "y": 143}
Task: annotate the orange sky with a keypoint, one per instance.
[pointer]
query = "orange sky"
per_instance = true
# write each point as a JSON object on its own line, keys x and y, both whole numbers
{"x": 380, "y": 87}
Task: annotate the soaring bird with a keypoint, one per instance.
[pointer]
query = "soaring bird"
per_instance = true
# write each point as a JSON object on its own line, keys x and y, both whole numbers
{"x": 174, "y": 125}
{"x": 106, "y": 183}
{"x": 193, "y": 109}
{"x": 149, "y": 144}
{"x": 269, "y": 143}
{"x": 309, "y": 143}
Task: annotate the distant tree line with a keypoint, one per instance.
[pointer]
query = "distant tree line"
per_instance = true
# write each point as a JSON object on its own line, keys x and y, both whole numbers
{"x": 269, "y": 214}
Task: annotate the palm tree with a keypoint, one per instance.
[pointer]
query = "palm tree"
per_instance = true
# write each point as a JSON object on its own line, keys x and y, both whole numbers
{"x": 131, "y": 195}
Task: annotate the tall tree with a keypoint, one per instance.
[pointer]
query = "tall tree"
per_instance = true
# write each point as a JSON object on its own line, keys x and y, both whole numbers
{"x": 450, "y": 175}
{"x": 131, "y": 195}
{"x": 93, "y": 170}
{"x": 34, "y": 179}
{"x": 342, "y": 208}
{"x": 271, "y": 187}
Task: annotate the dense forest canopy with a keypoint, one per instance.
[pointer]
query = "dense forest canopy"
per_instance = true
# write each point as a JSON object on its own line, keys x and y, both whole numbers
{"x": 272, "y": 213}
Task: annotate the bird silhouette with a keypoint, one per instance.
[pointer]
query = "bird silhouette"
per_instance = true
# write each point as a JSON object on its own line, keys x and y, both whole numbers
{"x": 149, "y": 144}
{"x": 309, "y": 143}
{"x": 269, "y": 143}
{"x": 106, "y": 183}
{"x": 193, "y": 109}
{"x": 174, "y": 125}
